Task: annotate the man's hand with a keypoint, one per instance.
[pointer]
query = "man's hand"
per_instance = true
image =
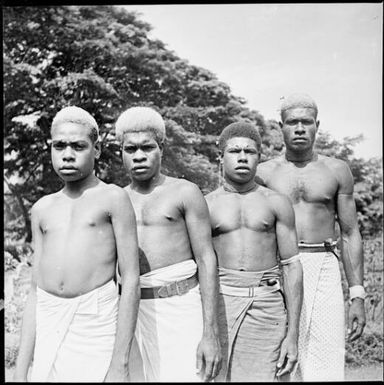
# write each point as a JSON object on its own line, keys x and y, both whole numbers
{"x": 115, "y": 374}
{"x": 208, "y": 358}
{"x": 288, "y": 356}
{"x": 17, "y": 377}
{"x": 356, "y": 319}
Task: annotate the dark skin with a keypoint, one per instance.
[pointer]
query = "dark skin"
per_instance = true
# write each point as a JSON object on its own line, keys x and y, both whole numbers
{"x": 79, "y": 235}
{"x": 249, "y": 229}
{"x": 321, "y": 191}
{"x": 173, "y": 226}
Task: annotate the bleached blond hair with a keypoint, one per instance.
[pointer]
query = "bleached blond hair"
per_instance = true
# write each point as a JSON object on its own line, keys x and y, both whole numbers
{"x": 298, "y": 100}
{"x": 138, "y": 119}
{"x": 73, "y": 114}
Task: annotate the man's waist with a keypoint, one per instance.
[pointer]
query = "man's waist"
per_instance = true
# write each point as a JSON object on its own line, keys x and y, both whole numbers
{"x": 264, "y": 287}
{"x": 324, "y": 246}
{"x": 179, "y": 287}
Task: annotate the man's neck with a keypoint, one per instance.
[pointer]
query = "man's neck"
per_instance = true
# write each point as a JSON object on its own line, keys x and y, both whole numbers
{"x": 300, "y": 157}
{"x": 242, "y": 188}
{"x": 76, "y": 188}
{"x": 147, "y": 186}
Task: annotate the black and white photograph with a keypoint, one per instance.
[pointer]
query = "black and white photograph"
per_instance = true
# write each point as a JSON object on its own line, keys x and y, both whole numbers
{"x": 193, "y": 192}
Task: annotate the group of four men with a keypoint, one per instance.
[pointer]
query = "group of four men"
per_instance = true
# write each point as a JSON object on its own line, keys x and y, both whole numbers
{"x": 243, "y": 285}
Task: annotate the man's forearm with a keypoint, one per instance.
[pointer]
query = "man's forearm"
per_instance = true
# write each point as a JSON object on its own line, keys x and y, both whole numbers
{"x": 352, "y": 257}
{"x": 28, "y": 336}
{"x": 293, "y": 290}
{"x": 208, "y": 280}
{"x": 126, "y": 322}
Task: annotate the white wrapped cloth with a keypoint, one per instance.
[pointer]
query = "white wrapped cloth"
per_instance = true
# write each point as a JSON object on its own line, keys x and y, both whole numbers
{"x": 75, "y": 336}
{"x": 322, "y": 330}
{"x": 169, "y": 329}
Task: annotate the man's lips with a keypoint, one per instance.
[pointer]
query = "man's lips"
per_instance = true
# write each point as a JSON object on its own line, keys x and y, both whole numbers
{"x": 299, "y": 139}
{"x": 242, "y": 168}
{"x": 140, "y": 168}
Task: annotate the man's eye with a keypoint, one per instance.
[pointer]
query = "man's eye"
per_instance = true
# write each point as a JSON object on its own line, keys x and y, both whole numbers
{"x": 58, "y": 146}
{"x": 78, "y": 147}
{"x": 147, "y": 148}
{"x": 130, "y": 150}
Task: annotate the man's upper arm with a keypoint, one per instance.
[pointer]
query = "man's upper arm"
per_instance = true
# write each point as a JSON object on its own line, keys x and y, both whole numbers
{"x": 37, "y": 238}
{"x": 346, "y": 208}
{"x": 197, "y": 219}
{"x": 285, "y": 226}
{"x": 125, "y": 231}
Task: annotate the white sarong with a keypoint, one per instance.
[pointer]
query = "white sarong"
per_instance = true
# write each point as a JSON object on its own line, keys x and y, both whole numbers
{"x": 75, "y": 336}
{"x": 169, "y": 329}
{"x": 322, "y": 334}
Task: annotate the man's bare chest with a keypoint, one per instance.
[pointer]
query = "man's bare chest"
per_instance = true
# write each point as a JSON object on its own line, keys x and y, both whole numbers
{"x": 235, "y": 212}
{"x": 74, "y": 217}
{"x": 316, "y": 185}
{"x": 156, "y": 210}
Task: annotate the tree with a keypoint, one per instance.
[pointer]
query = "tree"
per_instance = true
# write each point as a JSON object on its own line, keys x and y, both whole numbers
{"x": 101, "y": 59}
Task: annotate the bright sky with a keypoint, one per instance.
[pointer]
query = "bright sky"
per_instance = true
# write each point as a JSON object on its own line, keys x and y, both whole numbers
{"x": 333, "y": 52}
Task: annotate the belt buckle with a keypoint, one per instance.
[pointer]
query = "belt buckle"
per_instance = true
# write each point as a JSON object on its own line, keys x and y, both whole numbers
{"x": 163, "y": 292}
{"x": 182, "y": 287}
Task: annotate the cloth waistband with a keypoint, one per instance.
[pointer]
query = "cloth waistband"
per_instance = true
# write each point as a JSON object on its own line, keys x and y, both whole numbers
{"x": 251, "y": 291}
{"x": 236, "y": 278}
{"x": 169, "y": 274}
{"x": 110, "y": 285}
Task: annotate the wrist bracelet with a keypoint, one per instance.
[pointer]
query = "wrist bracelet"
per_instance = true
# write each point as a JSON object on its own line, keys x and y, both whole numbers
{"x": 357, "y": 291}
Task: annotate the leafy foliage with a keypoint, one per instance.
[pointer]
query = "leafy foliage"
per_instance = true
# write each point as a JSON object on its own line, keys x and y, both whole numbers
{"x": 101, "y": 58}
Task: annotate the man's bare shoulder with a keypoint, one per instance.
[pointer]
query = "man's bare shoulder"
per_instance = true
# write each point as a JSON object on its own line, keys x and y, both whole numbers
{"x": 333, "y": 163}
{"x": 213, "y": 195}
{"x": 341, "y": 171}
{"x": 275, "y": 198}
{"x": 182, "y": 186}
{"x": 45, "y": 202}
{"x": 111, "y": 190}
{"x": 266, "y": 168}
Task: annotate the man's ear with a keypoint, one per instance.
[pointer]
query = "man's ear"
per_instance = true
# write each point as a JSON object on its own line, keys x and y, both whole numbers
{"x": 281, "y": 124}
{"x": 317, "y": 125}
{"x": 161, "y": 147}
{"x": 97, "y": 149}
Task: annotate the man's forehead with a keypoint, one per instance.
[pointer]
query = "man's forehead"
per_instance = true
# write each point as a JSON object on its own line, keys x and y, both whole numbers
{"x": 70, "y": 129}
{"x": 299, "y": 112}
{"x": 139, "y": 137}
{"x": 241, "y": 141}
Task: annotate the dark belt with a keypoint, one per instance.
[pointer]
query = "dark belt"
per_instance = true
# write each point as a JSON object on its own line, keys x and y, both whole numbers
{"x": 169, "y": 290}
{"x": 325, "y": 247}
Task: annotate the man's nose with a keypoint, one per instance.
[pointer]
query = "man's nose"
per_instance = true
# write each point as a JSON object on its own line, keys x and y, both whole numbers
{"x": 300, "y": 129}
{"x": 68, "y": 153}
{"x": 242, "y": 157}
{"x": 139, "y": 155}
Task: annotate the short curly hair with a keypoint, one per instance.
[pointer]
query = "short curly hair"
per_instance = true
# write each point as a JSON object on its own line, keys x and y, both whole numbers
{"x": 239, "y": 130}
{"x": 137, "y": 119}
{"x": 73, "y": 114}
{"x": 297, "y": 100}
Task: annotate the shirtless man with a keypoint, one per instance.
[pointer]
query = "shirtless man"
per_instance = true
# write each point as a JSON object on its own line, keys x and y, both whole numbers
{"x": 251, "y": 225}
{"x": 321, "y": 191}
{"x": 72, "y": 316}
{"x": 177, "y": 326}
